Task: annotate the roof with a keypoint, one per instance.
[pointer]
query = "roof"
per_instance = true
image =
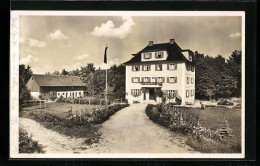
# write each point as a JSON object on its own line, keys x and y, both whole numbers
{"x": 57, "y": 80}
{"x": 173, "y": 50}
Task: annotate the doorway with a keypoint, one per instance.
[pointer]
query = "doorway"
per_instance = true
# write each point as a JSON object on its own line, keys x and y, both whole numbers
{"x": 151, "y": 94}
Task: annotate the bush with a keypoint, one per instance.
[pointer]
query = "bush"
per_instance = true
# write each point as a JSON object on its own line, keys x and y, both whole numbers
{"x": 27, "y": 145}
{"x": 225, "y": 102}
{"x": 60, "y": 100}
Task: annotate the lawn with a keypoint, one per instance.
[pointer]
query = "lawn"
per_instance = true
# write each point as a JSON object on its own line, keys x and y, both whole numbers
{"x": 210, "y": 118}
{"x": 60, "y": 110}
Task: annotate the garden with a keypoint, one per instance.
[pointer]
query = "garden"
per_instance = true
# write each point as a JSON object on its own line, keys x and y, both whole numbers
{"x": 74, "y": 120}
{"x": 209, "y": 130}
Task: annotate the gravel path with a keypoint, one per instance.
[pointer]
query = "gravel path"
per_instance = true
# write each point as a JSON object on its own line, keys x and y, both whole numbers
{"x": 128, "y": 131}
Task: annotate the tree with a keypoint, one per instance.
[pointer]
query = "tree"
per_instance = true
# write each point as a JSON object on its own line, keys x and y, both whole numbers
{"x": 64, "y": 72}
{"x": 24, "y": 75}
{"x": 56, "y": 73}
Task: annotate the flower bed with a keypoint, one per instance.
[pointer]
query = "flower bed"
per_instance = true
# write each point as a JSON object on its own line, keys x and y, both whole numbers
{"x": 189, "y": 124}
{"x": 82, "y": 124}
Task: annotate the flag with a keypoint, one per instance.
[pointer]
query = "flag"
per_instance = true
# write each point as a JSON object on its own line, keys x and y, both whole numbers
{"x": 105, "y": 55}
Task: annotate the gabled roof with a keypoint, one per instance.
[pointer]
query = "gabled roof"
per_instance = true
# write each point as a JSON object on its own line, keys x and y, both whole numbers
{"x": 57, "y": 80}
{"x": 173, "y": 50}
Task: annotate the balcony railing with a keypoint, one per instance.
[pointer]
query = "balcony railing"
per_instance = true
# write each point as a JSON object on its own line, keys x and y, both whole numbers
{"x": 151, "y": 83}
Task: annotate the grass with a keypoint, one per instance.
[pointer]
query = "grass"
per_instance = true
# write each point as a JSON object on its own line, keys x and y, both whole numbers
{"x": 60, "y": 110}
{"x": 54, "y": 118}
{"x": 211, "y": 118}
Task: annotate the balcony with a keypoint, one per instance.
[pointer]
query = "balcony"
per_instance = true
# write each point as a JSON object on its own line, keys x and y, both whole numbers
{"x": 151, "y": 83}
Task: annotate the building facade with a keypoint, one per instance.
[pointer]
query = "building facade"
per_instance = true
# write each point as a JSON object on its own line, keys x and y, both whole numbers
{"x": 163, "y": 67}
{"x": 52, "y": 86}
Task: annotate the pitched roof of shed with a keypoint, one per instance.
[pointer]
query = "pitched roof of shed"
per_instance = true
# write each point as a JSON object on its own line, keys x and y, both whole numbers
{"x": 60, "y": 80}
{"x": 173, "y": 50}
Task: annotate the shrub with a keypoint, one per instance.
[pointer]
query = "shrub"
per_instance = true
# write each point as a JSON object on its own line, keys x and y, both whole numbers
{"x": 60, "y": 100}
{"x": 225, "y": 102}
{"x": 27, "y": 144}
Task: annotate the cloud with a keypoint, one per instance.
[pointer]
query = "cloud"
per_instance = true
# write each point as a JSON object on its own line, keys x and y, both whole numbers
{"x": 81, "y": 57}
{"x": 108, "y": 29}
{"x": 57, "y": 35}
{"x": 234, "y": 35}
{"x": 28, "y": 59}
{"x": 32, "y": 42}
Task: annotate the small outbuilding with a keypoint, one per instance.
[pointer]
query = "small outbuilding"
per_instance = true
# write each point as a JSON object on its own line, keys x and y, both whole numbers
{"x": 55, "y": 86}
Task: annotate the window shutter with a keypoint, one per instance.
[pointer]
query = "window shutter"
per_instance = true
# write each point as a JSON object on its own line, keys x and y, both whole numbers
{"x": 163, "y": 79}
{"x": 132, "y": 67}
{"x": 175, "y": 79}
{"x": 167, "y": 79}
{"x": 138, "y": 79}
{"x": 142, "y": 67}
{"x": 156, "y": 67}
{"x": 155, "y": 78}
{"x": 132, "y": 79}
{"x": 132, "y": 92}
{"x": 142, "y": 79}
{"x": 162, "y": 54}
{"x": 167, "y": 66}
{"x": 149, "y": 79}
{"x": 149, "y": 67}
{"x": 176, "y": 66}
{"x": 139, "y": 92}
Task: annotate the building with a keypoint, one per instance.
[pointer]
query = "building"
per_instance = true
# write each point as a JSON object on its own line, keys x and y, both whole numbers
{"x": 164, "y": 67}
{"x": 55, "y": 86}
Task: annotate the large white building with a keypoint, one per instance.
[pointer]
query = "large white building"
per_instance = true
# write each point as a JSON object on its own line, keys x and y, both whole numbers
{"x": 162, "y": 66}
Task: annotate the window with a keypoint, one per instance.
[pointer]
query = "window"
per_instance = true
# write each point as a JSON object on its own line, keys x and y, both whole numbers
{"x": 192, "y": 80}
{"x": 146, "y": 67}
{"x": 136, "y": 92}
{"x": 62, "y": 93}
{"x": 136, "y": 68}
{"x": 171, "y": 93}
{"x": 172, "y": 79}
{"x": 188, "y": 80}
{"x": 159, "y": 55}
{"x": 58, "y": 94}
{"x": 172, "y": 66}
{"x": 160, "y": 79}
{"x": 190, "y": 57}
{"x": 192, "y": 68}
{"x": 146, "y": 79}
{"x": 158, "y": 67}
{"x": 191, "y": 92}
{"x": 187, "y": 93}
{"x": 153, "y": 79}
{"x": 135, "y": 79}
{"x": 147, "y": 55}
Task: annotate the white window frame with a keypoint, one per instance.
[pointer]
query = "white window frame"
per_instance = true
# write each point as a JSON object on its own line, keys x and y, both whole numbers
{"x": 171, "y": 93}
{"x": 153, "y": 79}
{"x": 147, "y": 68}
{"x": 147, "y": 54}
{"x": 173, "y": 80}
{"x": 136, "y": 92}
{"x": 172, "y": 66}
{"x": 159, "y": 53}
{"x": 187, "y": 93}
{"x": 135, "y": 79}
{"x": 160, "y": 79}
{"x": 146, "y": 78}
{"x": 138, "y": 68}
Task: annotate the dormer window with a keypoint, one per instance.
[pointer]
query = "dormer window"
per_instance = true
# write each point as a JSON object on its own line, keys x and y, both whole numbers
{"x": 190, "y": 57}
{"x": 159, "y": 55}
{"x": 147, "y": 55}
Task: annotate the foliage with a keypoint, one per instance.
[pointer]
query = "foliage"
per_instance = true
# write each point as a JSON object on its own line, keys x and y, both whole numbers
{"x": 25, "y": 73}
{"x": 217, "y": 77}
{"x": 27, "y": 144}
{"x": 225, "y": 102}
{"x": 220, "y": 138}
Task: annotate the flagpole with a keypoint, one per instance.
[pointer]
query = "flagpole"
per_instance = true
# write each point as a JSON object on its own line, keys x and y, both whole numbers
{"x": 106, "y": 88}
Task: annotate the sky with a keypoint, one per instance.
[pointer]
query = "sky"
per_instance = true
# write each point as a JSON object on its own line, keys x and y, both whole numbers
{"x": 53, "y": 43}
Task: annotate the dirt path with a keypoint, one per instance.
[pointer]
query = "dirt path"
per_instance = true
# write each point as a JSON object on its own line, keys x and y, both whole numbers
{"x": 128, "y": 131}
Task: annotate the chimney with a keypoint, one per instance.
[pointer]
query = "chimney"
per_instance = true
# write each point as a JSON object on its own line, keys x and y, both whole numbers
{"x": 150, "y": 43}
{"x": 172, "y": 41}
